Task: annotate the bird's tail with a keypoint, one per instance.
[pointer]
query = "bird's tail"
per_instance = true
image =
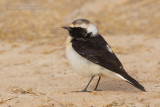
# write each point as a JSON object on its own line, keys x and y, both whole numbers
{"x": 133, "y": 82}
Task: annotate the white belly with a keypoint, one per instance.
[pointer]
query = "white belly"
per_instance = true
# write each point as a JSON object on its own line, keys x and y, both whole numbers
{"x": 84, "y": 66}
{"x": 79, "y": 63}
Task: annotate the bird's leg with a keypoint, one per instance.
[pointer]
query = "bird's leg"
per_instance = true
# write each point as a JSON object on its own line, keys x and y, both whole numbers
{"x": 97, "y": 84}
{"x": 85, "y": 89}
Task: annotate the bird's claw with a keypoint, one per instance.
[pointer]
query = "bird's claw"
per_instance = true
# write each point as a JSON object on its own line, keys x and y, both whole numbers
{"x": 82, "y": 91}
{"x": 97, "y": 90}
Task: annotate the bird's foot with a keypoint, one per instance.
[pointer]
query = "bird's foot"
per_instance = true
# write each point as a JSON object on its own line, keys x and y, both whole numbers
{"x": 97, "y": 90}
{"x": 82, "y": 91}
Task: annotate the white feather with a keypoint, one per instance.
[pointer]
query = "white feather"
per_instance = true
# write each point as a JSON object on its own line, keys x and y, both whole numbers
{"x": 122, "y": 78}
{"x": 85, "y": 67}
{"x": 92, "y": 29}
{"x": 109, "y": 49}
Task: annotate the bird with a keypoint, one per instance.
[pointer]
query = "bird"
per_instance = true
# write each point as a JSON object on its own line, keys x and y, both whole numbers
{"x": 90, "y": 55}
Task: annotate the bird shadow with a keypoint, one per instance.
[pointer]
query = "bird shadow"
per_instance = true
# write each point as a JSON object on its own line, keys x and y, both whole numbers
{"x": 113, "y": 85}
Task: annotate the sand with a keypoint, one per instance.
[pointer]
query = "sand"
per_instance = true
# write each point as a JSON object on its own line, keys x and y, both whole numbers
{"x": 34, "y": 71}
{"x": 37, "y": 74}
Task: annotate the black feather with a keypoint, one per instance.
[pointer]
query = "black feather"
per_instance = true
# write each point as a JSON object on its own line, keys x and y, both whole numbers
{"x": 133, "y": 82}
{"x": 95, "y": 50}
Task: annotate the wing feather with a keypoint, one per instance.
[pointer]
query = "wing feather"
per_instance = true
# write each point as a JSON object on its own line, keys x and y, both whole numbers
{"x": 96, "y": 50}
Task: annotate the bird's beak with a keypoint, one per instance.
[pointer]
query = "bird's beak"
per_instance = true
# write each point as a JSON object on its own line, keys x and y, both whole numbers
{"x": 67, "y": 28}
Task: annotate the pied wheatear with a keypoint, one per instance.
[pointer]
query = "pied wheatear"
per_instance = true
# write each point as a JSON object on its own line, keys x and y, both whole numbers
{"x": 90, "y": 55}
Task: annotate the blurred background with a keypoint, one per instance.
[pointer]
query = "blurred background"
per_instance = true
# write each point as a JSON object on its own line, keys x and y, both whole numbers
{"x": 28, "y": 19}
{"x": 34, "y": 71}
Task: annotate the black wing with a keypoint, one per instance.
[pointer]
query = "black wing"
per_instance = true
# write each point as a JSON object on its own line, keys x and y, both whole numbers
{"x": 95, "y": 49}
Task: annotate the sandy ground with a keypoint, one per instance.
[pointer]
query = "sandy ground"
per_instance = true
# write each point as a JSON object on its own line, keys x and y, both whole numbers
{"x": 37, "y": 74}
{"x": 34, "y": 71}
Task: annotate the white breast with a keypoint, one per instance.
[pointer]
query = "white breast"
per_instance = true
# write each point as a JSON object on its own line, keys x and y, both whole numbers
{"x": 84, "y": 66}
{"x": 79, "y": 63}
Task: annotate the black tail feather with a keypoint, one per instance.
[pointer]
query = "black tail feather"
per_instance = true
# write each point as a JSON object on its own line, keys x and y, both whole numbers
{"x": 133, "y": 82}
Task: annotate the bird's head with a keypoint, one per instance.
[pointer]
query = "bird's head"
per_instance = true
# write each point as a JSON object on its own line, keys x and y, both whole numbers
{"x": 82, "y": 28}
